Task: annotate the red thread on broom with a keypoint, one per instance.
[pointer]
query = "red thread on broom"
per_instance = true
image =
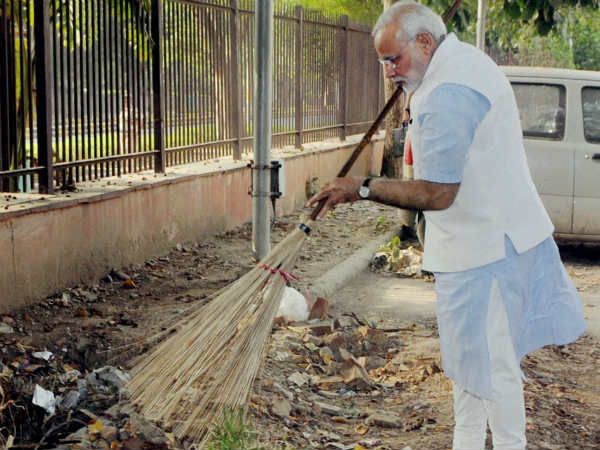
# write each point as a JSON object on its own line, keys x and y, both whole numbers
{"x": 287, "y": 276}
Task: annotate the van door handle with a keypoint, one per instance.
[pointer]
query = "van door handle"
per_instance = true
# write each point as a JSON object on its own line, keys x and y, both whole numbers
{"x": 595, "y": 156}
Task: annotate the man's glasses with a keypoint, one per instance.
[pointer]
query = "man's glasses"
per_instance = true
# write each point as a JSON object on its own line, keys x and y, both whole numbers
{"x": 389, "y": 61}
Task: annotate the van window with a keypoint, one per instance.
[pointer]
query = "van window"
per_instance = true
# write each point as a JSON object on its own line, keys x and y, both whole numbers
{"x": 542, "y": 109}
{"x": 590, "y": 99}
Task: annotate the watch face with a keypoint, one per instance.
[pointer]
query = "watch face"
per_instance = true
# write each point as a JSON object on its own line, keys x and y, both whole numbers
{"x": 364, "y": 192}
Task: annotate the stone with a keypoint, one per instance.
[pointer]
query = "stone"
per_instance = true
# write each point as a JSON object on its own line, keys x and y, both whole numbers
{"x": 319, "y": 309}
{"x": 71, "y": 400}
{"x": 320, "y": 328}
{"x": 384, "y": 421}
{"x": 120, "y": 275}
{"x": 315, "y": 340}
{"x": 328, "y": 394}
{"x": 112, "y": 376}
{"x": 375, "y": 362}
{"x": 373, "y": 336}
{"x": 146, "y": 430}
{"x": 281, "y": 407}
{"x": 326, "y": 355}
{"x": 9, "y": 321}
{"x": 347, "y": 322}
{"x": 6, "y": 329}
{"x": 331, "y": 410}
{"x": 109, "y": 433}
{"x": 299, "y": 379}
{"x": 334, "y": 340}
{"x": 89, "y": 297}
{"x": 344, "y": 355}
{"x": 280, "y": 389}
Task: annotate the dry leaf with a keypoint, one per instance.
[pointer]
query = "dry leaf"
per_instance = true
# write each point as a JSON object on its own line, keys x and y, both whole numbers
{"x": 129, "y": 284}
{"x": 361, "y": 429}
{"x": 96, "y": 427}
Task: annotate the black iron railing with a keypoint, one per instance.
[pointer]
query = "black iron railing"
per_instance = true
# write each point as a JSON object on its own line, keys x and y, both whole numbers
{"x": 98, "y": 88}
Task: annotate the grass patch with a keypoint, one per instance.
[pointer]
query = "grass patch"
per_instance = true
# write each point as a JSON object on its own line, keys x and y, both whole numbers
{"x": 236, "y": 432}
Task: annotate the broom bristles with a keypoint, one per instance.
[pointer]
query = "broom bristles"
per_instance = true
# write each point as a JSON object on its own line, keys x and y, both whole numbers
{"x": 212, "y": 361}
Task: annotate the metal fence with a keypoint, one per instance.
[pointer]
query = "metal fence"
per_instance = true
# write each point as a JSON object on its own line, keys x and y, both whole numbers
{"x": 97, "y": 88}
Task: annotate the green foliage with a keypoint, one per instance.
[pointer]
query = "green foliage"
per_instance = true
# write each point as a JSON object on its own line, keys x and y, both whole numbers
{"x": 362, "y": 11}
{"x": 541, "y": 12}
{"x": 234, "y": 433}
{"x": 584, "y": 30}
{"x": 380, "y": 223}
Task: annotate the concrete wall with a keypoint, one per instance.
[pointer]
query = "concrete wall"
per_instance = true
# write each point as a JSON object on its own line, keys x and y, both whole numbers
{"x": 52, "y": 242}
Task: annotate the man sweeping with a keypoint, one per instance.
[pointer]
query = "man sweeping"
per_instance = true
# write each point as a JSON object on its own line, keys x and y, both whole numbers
{"x": 502, "y": 289}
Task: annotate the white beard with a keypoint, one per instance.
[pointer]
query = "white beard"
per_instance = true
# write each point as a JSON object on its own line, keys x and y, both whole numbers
{"x": 413, "y": 78}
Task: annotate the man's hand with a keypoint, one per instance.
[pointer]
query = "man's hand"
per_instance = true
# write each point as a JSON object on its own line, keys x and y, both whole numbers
{"x": 414, "y": 194}
{"x": 339, "y": 190}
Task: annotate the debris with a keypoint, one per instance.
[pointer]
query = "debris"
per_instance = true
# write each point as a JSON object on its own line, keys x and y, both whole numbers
{"x": 299, "y": 379}
{"x": 293, "y": 306}
{"x": 42, "y": 355}
{"x": 322, "y": 327}
{"x": 129, "y": 284}
{"x": 6, "y": 329}
{"x": 44, "y": 399}
{"x": 330, "y": 409}
{"x": 384, "y": 420}
{"x": 320, "y": 309}
{"x": 334, "y": 340}
{"x": 120, "y": 275}
{"x": 281, "y": 407}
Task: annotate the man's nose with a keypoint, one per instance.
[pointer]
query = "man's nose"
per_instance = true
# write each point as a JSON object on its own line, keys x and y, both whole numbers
{"x": 389, "y": 71}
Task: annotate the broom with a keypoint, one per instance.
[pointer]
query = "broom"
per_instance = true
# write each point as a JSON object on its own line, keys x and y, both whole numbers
{"x": 212, "y": 360}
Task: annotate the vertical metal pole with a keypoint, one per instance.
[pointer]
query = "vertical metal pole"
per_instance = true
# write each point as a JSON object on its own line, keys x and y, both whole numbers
{"x": 236, "y": 98}
{"x": 299, "y": 100}
{"x": 344, "y": 80}
{"x": 158, "y": 86}
{"x": 481, "y": 15}
{"x": 43, "y": 77}
{"x": 262, "y": 128}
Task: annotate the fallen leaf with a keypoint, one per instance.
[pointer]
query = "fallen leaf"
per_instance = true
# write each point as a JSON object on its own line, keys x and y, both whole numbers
{"x": 339, "y": 419}
{"x": 361, "y": 429}
{"x": 129, "y": 284}
{"x": 96, "y": 427}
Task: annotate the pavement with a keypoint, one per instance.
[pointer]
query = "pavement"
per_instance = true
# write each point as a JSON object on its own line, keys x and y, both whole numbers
{"x": 401, "y": 300}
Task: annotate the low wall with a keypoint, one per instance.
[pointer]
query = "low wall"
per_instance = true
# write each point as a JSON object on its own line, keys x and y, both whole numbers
{"x": 56, "y": 241}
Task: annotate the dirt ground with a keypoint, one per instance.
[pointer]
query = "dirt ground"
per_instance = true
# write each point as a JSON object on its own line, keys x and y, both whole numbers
{"x": 406, "y": 400}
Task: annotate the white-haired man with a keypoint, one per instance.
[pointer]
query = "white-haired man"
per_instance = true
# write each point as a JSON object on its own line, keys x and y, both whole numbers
{"x": 502, "y": 289}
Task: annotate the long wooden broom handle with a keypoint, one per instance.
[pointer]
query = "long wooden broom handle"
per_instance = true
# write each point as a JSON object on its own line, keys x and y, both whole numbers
{"x": 361, "y": 145}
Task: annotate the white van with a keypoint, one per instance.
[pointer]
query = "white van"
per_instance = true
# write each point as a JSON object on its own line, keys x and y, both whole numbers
{"x": 560, "y": 117}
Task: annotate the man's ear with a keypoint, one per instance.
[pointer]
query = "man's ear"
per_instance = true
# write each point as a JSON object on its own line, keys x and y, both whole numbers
{"x": 426, "y": 43}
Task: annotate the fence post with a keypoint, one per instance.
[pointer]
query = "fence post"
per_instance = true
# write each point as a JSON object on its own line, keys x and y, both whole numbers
{"x": 299, "y": 78}
{"x": 236, "y": 98}
{"x": 43, "y": 80}
{"x": 344, "y": 79}
{"x": 158, "y": 86}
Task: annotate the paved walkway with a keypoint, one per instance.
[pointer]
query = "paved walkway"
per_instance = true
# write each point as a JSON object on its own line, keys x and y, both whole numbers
{"x": 404, "y": 300}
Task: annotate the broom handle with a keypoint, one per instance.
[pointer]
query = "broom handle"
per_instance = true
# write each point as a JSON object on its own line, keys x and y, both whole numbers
{"x": 361, "y": 145}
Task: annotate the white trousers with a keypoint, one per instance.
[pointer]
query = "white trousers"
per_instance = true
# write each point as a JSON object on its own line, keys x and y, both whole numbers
{"x": 505, "y": 411}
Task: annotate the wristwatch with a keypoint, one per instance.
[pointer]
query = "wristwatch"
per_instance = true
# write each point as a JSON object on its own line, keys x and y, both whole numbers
{"x": 364, "y": 190}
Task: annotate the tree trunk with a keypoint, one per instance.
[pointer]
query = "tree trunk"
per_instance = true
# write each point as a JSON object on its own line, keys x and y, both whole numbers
{"x": 392, "y": 165}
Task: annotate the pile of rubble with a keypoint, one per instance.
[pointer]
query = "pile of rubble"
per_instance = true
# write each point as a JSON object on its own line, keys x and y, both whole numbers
{"x": 44, "y": 400}
{"x": 402, "y": 258}
{"x": 338, "y": 383}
